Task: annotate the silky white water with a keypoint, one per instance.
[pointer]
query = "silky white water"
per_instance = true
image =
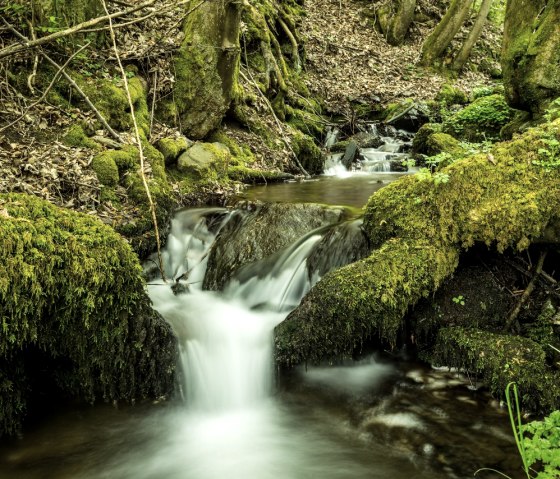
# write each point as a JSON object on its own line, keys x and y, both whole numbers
{"x": 231, "y": 425}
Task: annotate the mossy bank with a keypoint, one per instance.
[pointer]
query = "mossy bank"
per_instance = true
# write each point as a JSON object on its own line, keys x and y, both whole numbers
{"x": 76, "y": 321}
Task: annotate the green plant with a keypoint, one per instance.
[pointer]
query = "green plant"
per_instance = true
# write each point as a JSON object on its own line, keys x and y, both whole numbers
{"x": 538, "y": 442}
{"x": 459, "y": 300}
{"x": 424, "y": 174}
{"x": 549, "y": 154}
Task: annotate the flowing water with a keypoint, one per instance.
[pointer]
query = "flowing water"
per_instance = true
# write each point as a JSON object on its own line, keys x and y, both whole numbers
{"x": 375, "y": 418}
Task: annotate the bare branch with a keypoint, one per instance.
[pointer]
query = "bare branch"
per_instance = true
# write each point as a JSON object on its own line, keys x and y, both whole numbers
{"x": 13, "y": 49}
{"x": 46, "y": 92}
{"x": 139, "y": 144}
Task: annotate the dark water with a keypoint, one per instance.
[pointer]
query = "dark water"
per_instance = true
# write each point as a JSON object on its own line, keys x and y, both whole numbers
{"x": 352, "y": 191}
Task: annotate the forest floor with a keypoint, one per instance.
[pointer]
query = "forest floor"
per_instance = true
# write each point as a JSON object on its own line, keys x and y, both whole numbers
{"x": 347, "y": 60}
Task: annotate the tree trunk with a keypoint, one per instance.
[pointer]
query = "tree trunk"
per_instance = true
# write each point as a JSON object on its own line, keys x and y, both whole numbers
{"x": 206, "y": 68}
{"x": 530, "y": 53}
{"x": 473, "y": 36}
{"x": 445, "y": 31}
{"x": 400, "y": 23}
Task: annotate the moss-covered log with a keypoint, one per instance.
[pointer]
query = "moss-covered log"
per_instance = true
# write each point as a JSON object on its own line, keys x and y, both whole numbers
{"x": 76, "y": 321}
{"x": 530, "y": 54}
{"x": 504, "y": 199}
{"x": 500, "y": 359}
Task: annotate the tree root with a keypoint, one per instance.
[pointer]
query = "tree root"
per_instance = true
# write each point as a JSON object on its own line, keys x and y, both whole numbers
{"x": 525, "y": 296}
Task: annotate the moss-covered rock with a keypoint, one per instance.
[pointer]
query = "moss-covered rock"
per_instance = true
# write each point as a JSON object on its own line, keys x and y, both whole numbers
{"x": 106, "y": 169}
{"x": 451, "y": 95}
{"x": 530, "y": 54}
{"x": 172, "y": 147}
{"x": 109, "y": 97}
{"x": 362, "y": 301}
{"x": 481, "y": 120}
{"x": 501, "y": 359}
{"x": 443, "y": 143}
{"x": 76, "y": 320}
{"x": 260, "y": 230}
{"x": 308, "y": 153}
{"x": 422, "y": 135}
{"x": 76, "y": 137}
{"x": 204, "y": 160}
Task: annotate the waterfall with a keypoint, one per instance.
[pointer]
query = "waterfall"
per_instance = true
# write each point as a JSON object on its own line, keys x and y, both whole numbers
{"x": 226, "y": 337}
{"x": 371, "y": 160}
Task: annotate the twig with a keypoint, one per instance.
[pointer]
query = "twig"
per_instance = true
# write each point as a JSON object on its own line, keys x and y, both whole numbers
{"x": 31, "y": 78}
{"x": 153, "y": 104}
{"x": 139, "y": 143}
{"x": 46, "y": 92}
{"x": 13, "y": 49}
{"x": 70, "y": 80}
{"x": 525, "y": 296}
{"x": 401, "y": 114}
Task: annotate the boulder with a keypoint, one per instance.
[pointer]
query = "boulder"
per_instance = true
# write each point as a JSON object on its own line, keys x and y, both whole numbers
{"x": 257, "y": 231}
{"x": 203, "y": 159}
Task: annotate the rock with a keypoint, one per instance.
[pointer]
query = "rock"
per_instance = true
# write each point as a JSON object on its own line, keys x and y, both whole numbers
{"x": 481, "y": 120}
{"x": 421, "y": 137}
{"x": 350, "y": 155}
{"x": 451, "y": 95}
{"x": 367, "y": 140}
{"x": 201, "y": 159}
{"x": 260, "y": 230}
{"x": 407, "y": 115}
{"x": 443, "y": 143}
{"x": 106, "y": 343}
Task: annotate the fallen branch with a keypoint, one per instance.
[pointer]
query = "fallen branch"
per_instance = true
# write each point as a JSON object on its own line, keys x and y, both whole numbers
{"x": 46, "y": 92}
{"x": 70, "y": 80}
{"x": 525, "y": 296}
{"x": 13, "y": 49}
{"x": 139, "y": 144}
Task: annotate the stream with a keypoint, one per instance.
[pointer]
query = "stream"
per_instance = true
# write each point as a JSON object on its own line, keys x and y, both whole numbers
{"x": 236, "y": 418}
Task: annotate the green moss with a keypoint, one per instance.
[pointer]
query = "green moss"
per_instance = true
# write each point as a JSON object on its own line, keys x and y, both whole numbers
{"x": 530, "y": 55}
{"x": 451, "y": 95}
{"x": 501, "y": 359}
{"x": 171, "y": 148}
{"x": 206, "y": 70}
{"x": 481, "y": 120}
{"x": 306, "y": 122}
{"x": 505, "y": 202}
{"x": 240, "y": 155}
{"x": 361, "y": 301}
{"x": 254, "y": 177}
{"x": 443, "y": 143}
{"x": 308, "y": 153}
{"x": 106, "y": 168}
{"x": 395, "y": 109}
{"x": 76, "y": 137}
{"x": 72, "y": 301}
{"x": 420, "y": 139}
{"x": 109, "y": 97}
